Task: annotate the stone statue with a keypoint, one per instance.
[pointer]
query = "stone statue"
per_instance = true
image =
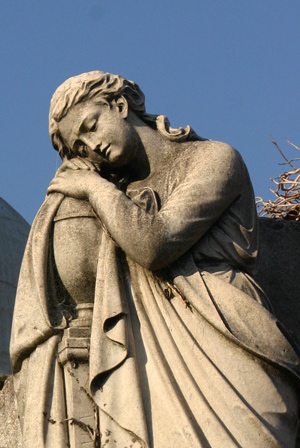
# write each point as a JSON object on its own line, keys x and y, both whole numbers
{"x": 137, "y": 322}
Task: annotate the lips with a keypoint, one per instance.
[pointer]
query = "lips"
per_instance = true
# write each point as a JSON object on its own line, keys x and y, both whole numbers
{"x": 102, "y": 150}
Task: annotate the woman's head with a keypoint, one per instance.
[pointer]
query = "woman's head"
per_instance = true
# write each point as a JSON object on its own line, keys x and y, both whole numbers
{"x": 85, "y": 87}
{"x": 105, "y": 86}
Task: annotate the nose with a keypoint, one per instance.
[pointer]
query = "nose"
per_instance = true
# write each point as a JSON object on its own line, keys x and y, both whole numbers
{"x": 91, "y": 141}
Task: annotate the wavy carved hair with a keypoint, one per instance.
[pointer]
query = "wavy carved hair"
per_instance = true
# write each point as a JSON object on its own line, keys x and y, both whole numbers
{"x": 108, "y": 87}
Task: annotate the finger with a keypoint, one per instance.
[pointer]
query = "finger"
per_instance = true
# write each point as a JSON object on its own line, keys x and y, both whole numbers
{"x": 51, "y": 189}
{"x": 67, "y": 164}
{"x": 89, "y": 165}
{"x": 84, "y": 164}
{"x": 79, "y": 163}
{"x": 52, "y": 184}
{"x": 57, "y": 185}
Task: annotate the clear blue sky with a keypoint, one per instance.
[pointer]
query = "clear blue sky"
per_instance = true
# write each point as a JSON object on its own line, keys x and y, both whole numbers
{"x": 229, "y": 68}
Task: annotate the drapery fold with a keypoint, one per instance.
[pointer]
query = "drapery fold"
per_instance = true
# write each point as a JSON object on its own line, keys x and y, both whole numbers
{"x": 208, "y": 371}
{"x": 37, "y": 314}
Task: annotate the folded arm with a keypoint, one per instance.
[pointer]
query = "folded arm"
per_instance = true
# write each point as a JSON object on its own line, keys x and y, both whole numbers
{"x": 155, "y": 240}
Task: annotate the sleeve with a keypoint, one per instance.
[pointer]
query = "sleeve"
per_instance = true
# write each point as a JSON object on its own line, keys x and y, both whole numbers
{"x": 155, "y": 240}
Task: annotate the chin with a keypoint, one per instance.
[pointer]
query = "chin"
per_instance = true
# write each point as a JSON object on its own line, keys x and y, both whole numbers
{"x": 116, "y": 160}
{"x": 121, "y": 157}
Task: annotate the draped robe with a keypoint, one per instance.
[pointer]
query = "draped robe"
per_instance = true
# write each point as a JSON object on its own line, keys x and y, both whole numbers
{"x": 187, "y": 356}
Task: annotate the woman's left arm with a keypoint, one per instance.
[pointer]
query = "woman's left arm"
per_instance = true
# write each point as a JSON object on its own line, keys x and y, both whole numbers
{"x": 155, "y": 240}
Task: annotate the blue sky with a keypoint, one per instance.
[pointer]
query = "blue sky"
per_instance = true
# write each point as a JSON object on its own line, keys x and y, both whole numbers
{"x": 229, "y": 68}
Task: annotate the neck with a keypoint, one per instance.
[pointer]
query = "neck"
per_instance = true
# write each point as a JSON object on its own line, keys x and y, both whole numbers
{"x": 154, "y": 149}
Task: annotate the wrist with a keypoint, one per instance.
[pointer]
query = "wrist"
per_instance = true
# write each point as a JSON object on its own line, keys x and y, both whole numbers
{"x": 99, "y": 188}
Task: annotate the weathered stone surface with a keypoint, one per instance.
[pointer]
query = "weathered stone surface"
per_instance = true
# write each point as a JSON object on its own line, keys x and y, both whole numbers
{"x": 148, "y": 331}
{"x": 10, "y": 432}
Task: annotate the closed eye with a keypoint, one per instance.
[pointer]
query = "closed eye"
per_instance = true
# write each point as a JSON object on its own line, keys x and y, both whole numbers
{"x": 94, "y": 127}
{"x": 89, "y": 125}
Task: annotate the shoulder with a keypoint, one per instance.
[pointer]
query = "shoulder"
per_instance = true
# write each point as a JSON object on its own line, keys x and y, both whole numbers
{"x": 214, "y": 157}
{"x": 216, "y": 151}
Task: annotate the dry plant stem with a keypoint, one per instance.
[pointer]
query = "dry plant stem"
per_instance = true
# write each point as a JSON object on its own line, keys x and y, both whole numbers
{"x": 287, "y": 161}
{"x": 287, "y": 202}
{"x": 94, "y": 433}
{"x": 292, "y": 144}
{"x": 176, "y": 291}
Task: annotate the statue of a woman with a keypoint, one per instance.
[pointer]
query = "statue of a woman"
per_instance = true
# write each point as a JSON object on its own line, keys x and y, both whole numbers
{"x": 139, "y": 262}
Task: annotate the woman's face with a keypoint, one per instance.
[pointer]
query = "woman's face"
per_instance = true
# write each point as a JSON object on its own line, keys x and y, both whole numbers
{"x": 101, "y": 130}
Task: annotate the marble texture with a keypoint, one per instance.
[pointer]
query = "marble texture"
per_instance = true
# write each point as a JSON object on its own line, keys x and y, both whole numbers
{"x": 139, "y": 269}
{"x": 10, "y": 431}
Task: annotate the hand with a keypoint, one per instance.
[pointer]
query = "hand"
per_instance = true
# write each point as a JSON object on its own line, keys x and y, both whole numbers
{"x": 76, "y": 163}
{"x": 78, "y": 183}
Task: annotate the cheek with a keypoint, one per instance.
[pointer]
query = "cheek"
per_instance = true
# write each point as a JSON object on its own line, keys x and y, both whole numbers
{"x": 112, "y": 133}
{"x": 119, "y": 135}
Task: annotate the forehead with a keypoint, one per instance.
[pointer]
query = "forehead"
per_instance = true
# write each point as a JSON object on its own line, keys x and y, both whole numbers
{"x": 70, "y": 124}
